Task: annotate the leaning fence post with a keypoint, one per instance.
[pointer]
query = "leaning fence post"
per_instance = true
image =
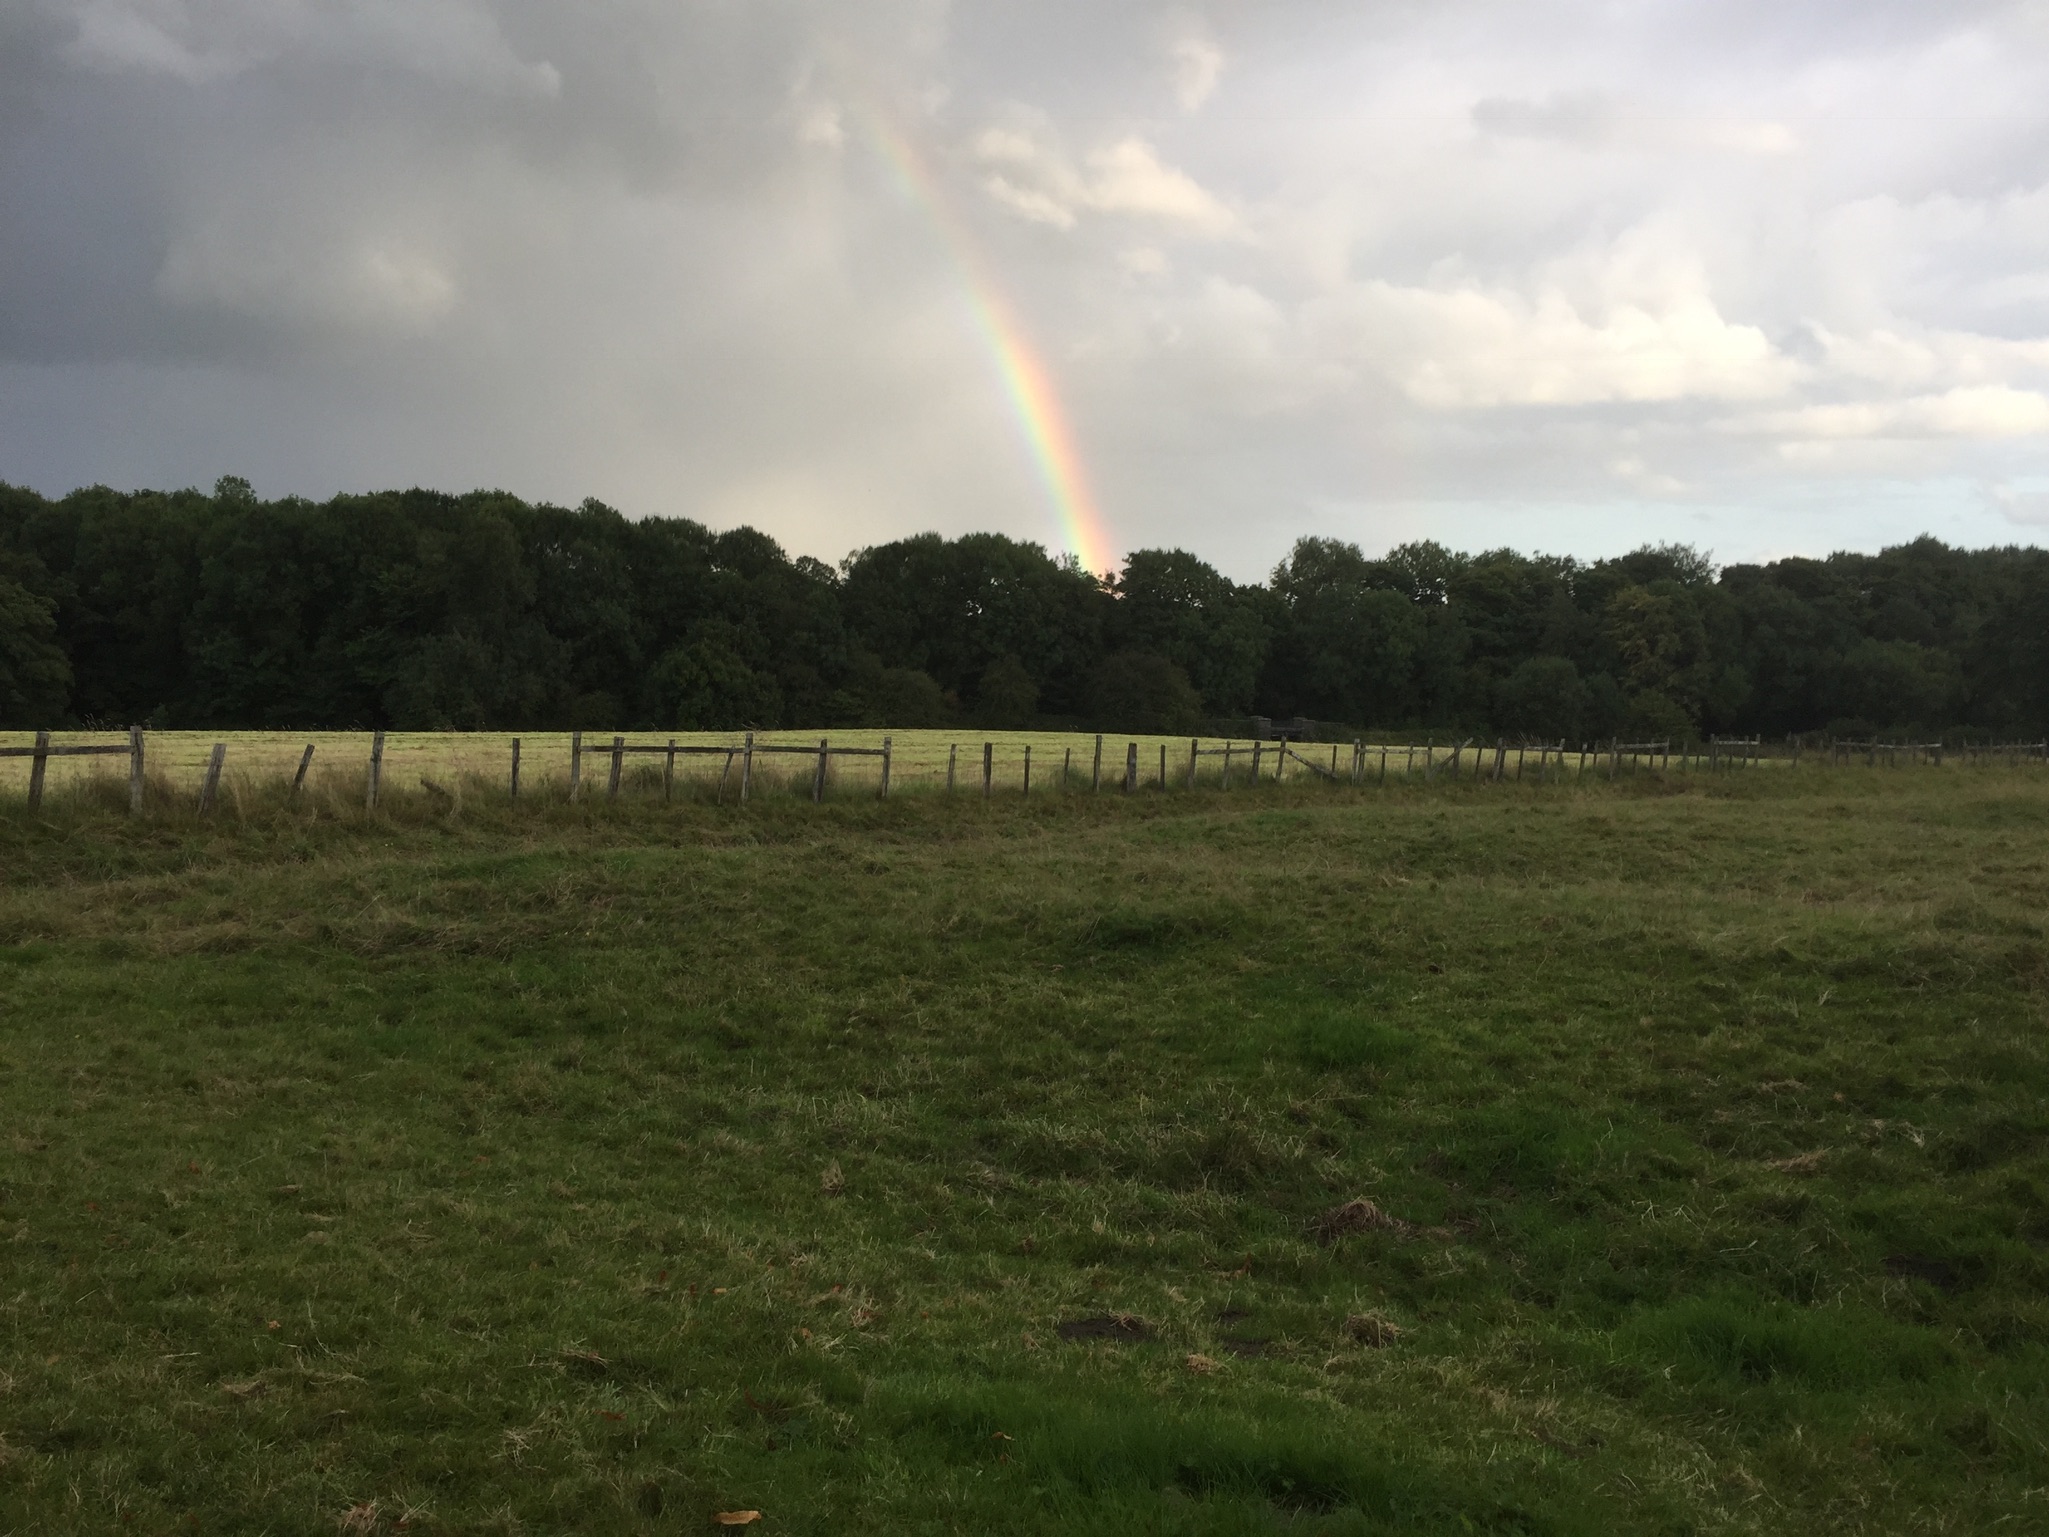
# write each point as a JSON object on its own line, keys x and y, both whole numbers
{"x": 669, "y": 773}
{"x": 1191, "y": 762}
{"x": 376, "y": 767}
{"x": 1130, "y": 768}
{"x": 575, "y": 763}
{"x": 885, "y": 769}
{"x": 1257, "y": 744}
{"x": 135, "y": 771}
{"x": 952, "y": 756}
{"x": 1028, "y": 769}
{"x": 212, "y": 783}
{"x": 305, "y": 763}
{"x": 1066, "y": 768}
{"x": 35, "y": 772}
{"x": 988, "y": 768}
{"x": 1280, "y": 759}
{"x": 1226, "y": 783}
{"x": 747, "y": 766}
{"x": 515, "y": 768}
{"x": 1096, "y": 774}
{"x": 818, "y": 778}
{"x": 618, "y": 762}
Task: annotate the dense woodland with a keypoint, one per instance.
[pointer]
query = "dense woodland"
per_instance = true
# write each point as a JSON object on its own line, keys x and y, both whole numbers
{"x": 420, "y": 610}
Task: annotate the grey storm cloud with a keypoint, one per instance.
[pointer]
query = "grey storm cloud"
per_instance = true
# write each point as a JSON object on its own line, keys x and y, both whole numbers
{"x": 1763, "y": 278}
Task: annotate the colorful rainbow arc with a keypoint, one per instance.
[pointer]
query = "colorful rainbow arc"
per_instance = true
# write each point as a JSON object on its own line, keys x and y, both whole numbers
{"x": 1025, "y": 378}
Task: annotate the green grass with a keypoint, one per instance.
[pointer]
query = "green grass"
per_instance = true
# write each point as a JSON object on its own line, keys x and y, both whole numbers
{"x": 601, "y": 1168}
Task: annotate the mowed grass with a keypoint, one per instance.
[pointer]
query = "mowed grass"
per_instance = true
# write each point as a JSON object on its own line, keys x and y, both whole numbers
{"x": 605, "y": 1168}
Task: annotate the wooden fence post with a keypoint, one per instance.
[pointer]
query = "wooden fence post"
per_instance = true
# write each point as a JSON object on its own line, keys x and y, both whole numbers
{"x": 1028, "y": 769}
{"x": 1130, "y": 768}
{"x": 575, "y": 763}
{"x": 1163, "y": 765}
{"x": 37, "y": 764}
{"x": 952, "y": 753}
{"x": 988, "y": 768}
{"x": 669, "y": 774}
{"x": 376, "y": 768}
{"x": 818, "y": 778}
{"x": 1066, "y": 768}
{"x": 885, "y": 770}
{"x": 1500, "y": 757}
{"x": 1192, "y": 743}
{"x": 515, "y": 768}
{"x": 305, "y": 763}
{"x": 210, "y": 786}
{"x": 747, "y": 767}
{"x": 1227, "y": 766}
{"x": 618, "y": 762}
{"x": 135, "y": 771}
{"x": 726, "y": 773}
{"x": 1096, "y": 773}
{"x": 1257, "y": 743}
{"x": 1429, "y": 760}
{"x": 1280, "y": 758}
{"x": 1383, "y": 763}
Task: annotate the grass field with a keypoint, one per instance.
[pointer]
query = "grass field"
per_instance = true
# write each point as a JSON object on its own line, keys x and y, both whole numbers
{"x": 1666, "y": 1157}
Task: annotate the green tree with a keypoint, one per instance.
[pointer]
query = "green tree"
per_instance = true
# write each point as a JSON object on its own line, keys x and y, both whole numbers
{"x": 1143, "y": 692}
{"x": 35, "y": 677}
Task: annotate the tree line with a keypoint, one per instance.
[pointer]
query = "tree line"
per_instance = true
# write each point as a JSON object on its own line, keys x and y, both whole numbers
{"x": 418, "y": 610}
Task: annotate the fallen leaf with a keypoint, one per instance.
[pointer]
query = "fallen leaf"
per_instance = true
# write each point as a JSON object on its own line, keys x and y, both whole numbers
{"x": 1200, "y": 1364}
{"x": 737, "y": 1517}
{"x": 273, "y": 1324}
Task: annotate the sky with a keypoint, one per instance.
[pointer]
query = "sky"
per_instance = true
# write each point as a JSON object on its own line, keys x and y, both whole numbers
{"x": 1761, "y": 278}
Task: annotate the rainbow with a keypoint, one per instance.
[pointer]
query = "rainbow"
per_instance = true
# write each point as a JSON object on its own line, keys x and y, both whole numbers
{"x": 1026, "y": 380}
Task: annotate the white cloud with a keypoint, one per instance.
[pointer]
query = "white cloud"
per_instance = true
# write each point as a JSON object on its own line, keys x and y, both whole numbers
{"x": 1125, "y": 178}
{"x": 1198, "y": 64}
{"x": 1967, "y": 411}
{"x": 1463, "y": 348}
{"x": 2027, "y": 506}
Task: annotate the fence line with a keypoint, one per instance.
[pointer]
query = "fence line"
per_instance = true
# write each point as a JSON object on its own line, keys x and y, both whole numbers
{"x": 1458, "y": 760}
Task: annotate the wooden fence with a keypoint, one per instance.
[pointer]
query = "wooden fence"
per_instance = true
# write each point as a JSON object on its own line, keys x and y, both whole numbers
{"x": 1253, "y": 762}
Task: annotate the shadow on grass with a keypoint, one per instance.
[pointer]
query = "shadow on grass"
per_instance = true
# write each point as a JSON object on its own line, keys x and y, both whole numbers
{"x": 1099, "y": 1458}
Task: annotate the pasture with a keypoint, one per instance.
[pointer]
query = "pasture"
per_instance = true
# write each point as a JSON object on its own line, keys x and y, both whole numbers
{"x": 1663, "y": 1156}
{"x": 920, "y": 760}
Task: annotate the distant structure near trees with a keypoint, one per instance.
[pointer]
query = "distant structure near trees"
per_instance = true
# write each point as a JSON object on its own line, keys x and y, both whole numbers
{"x": 418, "y": 610}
